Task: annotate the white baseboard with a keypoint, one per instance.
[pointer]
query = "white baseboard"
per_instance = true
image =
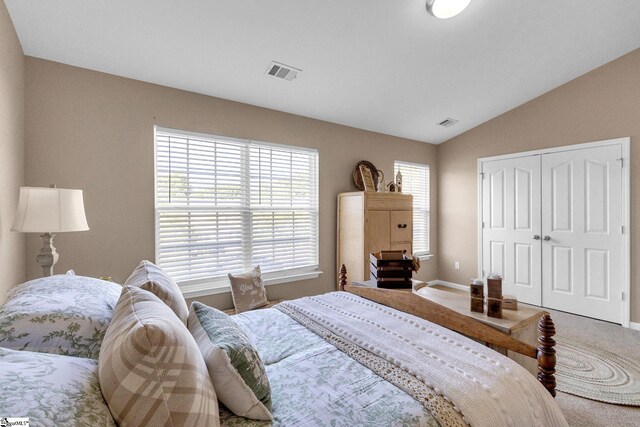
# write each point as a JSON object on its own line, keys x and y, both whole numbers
{"x": 634, "y": 325}
{"x": 448, "y": 285}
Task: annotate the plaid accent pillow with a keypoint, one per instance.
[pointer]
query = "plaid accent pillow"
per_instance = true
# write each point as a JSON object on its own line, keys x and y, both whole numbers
{"x": 247, "y": 290}
{"x": 152, "y": 278}
{"x": 151, "y": 372}
{"x": 234, "y": 365}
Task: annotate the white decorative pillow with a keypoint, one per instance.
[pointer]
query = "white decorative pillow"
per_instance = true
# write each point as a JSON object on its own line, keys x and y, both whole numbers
{"x": 152, "y": 278}
{"x": 62, "y": 314}
{"x": 150, "y": 369}
{"x": 233, "y": 363}
{"x": 247, "y": 290}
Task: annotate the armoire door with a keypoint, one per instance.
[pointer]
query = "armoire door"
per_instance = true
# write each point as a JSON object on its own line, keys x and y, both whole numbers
{"x": 511, "y": 225}
{"x": 378, "y": 234}
{"x": 582, "y": 257}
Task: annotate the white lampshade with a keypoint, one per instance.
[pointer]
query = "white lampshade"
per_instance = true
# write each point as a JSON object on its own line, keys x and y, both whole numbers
{"x": 50, "y": 210}
{"x": 445, "y": 9}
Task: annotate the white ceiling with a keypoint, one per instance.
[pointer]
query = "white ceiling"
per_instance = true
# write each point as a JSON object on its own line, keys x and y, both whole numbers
{"x": 381, "y": 65}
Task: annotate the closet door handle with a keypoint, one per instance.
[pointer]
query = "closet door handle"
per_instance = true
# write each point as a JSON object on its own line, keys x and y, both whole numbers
{"x": 546, "y": 238}
{"x": 536, "y": 237}
{"x": 402, "y": 225}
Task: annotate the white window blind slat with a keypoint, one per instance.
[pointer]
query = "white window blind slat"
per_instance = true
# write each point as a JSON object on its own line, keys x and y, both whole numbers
{"x": 415, "y": 181}
{"x": 223, "y": 206}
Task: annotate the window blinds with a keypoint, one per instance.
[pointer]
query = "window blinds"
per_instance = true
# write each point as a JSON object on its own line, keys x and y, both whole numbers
{"x": 224, "y": 205}
{"x": 415, "y": 181}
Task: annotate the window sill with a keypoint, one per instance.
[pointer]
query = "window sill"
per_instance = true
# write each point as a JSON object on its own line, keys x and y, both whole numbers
{"x": 204, "y": 289}
{"x": 425, "y": 257}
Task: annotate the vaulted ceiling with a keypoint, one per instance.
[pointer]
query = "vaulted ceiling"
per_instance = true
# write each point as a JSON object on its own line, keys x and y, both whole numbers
{"x": 381, "y": 65}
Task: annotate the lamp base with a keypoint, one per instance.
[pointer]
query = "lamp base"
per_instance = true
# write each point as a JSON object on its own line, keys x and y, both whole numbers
{"x": 48, "y": 255}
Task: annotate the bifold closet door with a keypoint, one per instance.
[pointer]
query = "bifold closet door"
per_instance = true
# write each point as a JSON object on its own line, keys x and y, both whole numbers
{"x": 511, "y": 225}
{"x": 582, "y": 232}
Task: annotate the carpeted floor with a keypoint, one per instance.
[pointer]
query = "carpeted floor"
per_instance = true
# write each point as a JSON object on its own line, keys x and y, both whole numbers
{"x": 619, "y": 340}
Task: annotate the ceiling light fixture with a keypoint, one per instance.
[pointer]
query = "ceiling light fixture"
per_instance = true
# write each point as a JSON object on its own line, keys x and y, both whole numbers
{"x": 445, "y": 9}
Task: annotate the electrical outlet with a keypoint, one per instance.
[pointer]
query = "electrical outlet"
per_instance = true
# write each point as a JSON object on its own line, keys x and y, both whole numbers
{"x": 457, "y": 265}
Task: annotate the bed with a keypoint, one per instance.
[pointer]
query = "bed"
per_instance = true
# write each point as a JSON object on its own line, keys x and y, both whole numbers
{"x": 340, "y": 359}
{"x": 337, "y": 359}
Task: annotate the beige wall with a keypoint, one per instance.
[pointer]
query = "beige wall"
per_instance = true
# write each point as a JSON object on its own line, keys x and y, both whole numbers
{"x": 12, "y": 262}
{"x": 603, "y": 104}
{"x": 94, "y": 131}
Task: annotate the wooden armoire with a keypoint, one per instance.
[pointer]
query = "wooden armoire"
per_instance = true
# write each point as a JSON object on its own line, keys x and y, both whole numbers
{"x": 370, "y": 222}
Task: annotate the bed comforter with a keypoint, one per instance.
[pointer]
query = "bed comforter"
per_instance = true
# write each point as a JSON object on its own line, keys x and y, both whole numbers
{"x": 313, "y": 383}
{"x": 327, "y": 358}
{"x": 52, "y": 390}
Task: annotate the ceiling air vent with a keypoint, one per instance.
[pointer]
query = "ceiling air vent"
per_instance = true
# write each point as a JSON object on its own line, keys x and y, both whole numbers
{"x": 282, "y": 71}
{"x": 448, "y": 122}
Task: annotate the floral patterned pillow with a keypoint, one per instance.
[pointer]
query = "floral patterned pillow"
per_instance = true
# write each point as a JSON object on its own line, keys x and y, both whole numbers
{"x": 247, "y": 290}
{"x": 52, "y": 390}
{"x": 237, "y": 372}
{"x": 63, "y": 314}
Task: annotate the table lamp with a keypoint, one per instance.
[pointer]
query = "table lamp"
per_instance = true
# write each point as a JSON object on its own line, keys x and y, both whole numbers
{"x": 48, "y": 211}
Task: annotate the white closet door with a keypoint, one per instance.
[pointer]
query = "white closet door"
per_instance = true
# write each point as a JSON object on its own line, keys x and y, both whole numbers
{"x": 581, "y": 224}
{"x": 511, "y": 225}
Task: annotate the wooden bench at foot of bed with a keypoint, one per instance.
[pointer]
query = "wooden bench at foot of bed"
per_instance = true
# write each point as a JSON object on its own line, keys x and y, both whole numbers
{"x": 545, "y": 353}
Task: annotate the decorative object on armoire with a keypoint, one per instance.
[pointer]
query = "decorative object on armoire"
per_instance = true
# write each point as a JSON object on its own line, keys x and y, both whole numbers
{"x": 392, "y": 187}
{"x": 357, "y": 176}
{"x": 476, "y": 295}
{"x": 247, "y": 290}
{"x": 371, "y": 222}
{"x": 399, "y": 182}
{"x": 509, "y": 302}
{"x": 381, "y": 185}
{"x": 494, "y": 296}
{"x": 49, "y": 210}
{"x": 367, "y": 178}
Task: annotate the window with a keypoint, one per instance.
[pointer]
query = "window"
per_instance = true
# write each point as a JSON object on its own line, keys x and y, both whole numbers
{"x": 224, "y": 205}
{"x": 415, "y": 181}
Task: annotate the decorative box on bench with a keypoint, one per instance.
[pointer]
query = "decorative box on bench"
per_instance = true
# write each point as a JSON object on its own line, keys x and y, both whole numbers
{"x": 391, "y": 269}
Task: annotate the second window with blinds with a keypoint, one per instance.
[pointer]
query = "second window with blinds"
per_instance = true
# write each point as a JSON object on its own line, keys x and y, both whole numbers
{"x": 415, "y": 181}
{"x": 224, "y": 205}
